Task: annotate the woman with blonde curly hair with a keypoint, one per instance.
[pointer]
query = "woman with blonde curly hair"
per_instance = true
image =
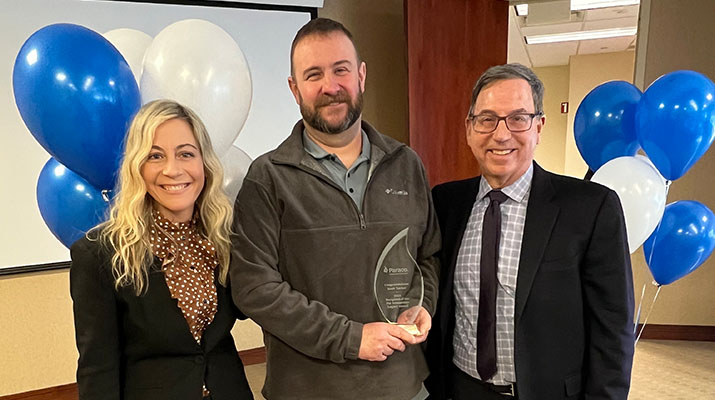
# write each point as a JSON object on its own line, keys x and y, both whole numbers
{"x": 152, "y": 309}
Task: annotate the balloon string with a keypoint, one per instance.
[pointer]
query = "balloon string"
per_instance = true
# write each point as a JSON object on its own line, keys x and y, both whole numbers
{"x": 649, "y": 311}
{"x": 638, "y": 314}
{"x": 667, "y": 187}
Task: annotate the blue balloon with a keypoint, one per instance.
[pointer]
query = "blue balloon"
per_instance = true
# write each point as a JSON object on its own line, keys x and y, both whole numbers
{"x": 77, "y": 95}
{"x": 605, "y": 123}
{"x": 676, "y": 121}
{"x": 69, "y": 205}
{"x": 684, "y": 239}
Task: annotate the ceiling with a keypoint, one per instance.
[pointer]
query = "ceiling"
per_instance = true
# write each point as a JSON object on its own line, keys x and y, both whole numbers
{"x": 547, "y": 17}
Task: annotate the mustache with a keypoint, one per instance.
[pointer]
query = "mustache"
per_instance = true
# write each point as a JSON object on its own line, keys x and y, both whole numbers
{"x": 326, "y": 99}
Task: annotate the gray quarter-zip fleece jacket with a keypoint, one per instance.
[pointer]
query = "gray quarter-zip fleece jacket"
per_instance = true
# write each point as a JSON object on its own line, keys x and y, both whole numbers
{"x": 303, "y": 268}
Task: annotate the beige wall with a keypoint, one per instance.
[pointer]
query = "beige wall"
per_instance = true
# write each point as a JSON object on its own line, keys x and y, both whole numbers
{"x": 557, "y": 151}
{"x": 550, "y": 153}
{"x": 585, "y": 73}
{"x": 37, "y": 339}
{"x": 677, "y": 34}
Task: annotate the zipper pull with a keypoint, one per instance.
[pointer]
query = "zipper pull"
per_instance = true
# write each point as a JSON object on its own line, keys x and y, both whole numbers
{"x": 363, "y": 225}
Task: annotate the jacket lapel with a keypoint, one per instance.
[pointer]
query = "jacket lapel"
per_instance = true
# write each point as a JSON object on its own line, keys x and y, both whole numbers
{"x": 173, "y": 316}
{"x": 541, "y": 215}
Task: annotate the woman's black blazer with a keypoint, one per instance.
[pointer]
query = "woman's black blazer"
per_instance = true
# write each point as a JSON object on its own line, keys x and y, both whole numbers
{"x": 140, "y": 347}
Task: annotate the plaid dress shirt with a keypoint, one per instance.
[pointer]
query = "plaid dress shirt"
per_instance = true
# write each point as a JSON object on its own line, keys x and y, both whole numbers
{"x": 466, "y": 279}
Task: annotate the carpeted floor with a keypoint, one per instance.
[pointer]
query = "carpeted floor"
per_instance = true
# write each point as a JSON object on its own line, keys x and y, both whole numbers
{"x": 662, "y": 369}
{"x": 673, "y": 370}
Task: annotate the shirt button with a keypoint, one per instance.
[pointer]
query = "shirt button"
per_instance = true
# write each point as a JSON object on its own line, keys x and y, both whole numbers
{"x": 199, "y": 359}
{"x": 351, "y": 190}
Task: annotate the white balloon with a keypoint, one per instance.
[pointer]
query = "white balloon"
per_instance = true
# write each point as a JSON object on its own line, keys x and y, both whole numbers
{"x": 642, "y": 191}
{"x": 132, "y": 45}
{"x": 199, "y": 65}
{"x": 235, "y": 166}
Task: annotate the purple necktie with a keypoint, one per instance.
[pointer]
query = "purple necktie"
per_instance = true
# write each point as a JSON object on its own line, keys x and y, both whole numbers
{"x": 487, "y": 321}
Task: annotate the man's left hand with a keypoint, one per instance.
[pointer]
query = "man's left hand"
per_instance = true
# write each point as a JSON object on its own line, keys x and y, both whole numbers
{"x": 423, "y": 322}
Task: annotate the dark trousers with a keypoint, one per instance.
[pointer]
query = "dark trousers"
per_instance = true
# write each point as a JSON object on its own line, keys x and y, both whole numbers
{"x": 468, "y": 388}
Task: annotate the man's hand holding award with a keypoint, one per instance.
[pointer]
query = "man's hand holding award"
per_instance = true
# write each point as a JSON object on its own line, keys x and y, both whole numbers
{"x": 398, "y": 290}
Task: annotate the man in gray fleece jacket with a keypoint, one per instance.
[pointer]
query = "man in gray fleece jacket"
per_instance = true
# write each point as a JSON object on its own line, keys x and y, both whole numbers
{"x": 312, "y": 219}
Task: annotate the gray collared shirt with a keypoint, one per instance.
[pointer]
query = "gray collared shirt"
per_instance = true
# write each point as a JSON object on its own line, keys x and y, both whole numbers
{"x": 466, "y": 279}
{"x": 353, "y": 180}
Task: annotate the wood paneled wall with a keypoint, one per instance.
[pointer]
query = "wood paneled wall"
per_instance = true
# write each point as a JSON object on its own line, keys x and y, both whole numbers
{"x": 449, "y": 44}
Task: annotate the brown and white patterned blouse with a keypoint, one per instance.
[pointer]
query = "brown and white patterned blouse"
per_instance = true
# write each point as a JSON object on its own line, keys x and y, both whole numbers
{"x": 188, "y": 263}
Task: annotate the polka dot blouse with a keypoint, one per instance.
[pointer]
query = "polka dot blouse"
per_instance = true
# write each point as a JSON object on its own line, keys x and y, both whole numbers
{"x": 188, "y": 263}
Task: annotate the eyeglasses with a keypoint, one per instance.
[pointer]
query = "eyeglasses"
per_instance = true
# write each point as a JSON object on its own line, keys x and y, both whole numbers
{"x": 517, "y": 122}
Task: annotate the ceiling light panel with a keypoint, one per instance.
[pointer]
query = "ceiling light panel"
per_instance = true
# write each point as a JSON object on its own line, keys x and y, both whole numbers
{"x": 578, "y": 5}
{"x": 580, "y": 35}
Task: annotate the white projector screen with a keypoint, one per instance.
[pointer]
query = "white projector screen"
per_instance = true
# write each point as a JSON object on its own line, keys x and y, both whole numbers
{"x": 264, "y": 33}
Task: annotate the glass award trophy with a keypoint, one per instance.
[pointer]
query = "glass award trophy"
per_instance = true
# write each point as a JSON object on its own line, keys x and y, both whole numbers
{"x": 399, "y": 288}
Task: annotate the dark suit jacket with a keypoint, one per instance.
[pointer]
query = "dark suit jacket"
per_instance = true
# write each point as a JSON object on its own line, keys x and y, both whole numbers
{"x": 573, "y": 317}
{"x": 140, "y": 347}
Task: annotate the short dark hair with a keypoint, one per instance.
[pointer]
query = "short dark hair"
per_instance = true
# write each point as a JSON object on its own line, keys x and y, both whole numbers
{"x": 511, "y": 71}
{"x": 323, "y": 27}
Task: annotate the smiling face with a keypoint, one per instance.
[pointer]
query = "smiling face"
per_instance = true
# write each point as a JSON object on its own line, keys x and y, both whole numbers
{"x": 174, "y": 170}
{"x": 504, "y": 156}
{"x": 328, "y": 82}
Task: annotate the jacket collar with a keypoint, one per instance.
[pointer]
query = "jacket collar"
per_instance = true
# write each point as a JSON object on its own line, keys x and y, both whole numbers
{"x": 291, "y": 150}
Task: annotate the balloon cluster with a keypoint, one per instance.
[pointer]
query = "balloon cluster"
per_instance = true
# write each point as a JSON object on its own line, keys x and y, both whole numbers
{"x": 77, "y": 91}
{"x": 673, "y": 122}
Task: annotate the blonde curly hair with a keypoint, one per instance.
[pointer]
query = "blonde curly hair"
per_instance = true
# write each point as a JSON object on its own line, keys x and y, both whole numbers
{"x": 126, "y": 231}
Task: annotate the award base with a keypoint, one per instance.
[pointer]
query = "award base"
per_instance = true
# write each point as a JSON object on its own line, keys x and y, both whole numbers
{"x": 410, "y": 328}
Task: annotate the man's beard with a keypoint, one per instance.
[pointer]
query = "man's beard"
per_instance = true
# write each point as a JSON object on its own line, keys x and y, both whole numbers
{"x": 313, "y": 118}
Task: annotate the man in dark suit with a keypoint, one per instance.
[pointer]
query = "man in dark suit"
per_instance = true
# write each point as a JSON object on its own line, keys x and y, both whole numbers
{"x": 536, "y": 297}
